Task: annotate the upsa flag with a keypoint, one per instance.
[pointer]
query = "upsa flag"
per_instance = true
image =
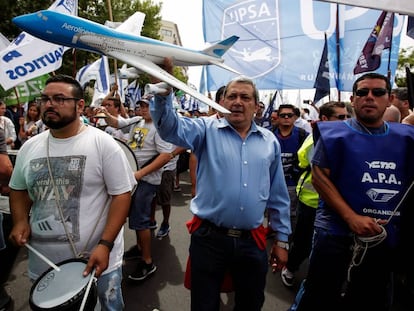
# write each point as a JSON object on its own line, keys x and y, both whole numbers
{"x": 28, "y": 57}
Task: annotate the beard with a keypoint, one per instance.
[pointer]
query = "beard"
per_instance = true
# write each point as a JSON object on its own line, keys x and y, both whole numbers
{"x": 60, "y": 122}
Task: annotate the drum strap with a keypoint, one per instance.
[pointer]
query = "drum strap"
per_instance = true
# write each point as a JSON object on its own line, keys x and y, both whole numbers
{"x": 62, "y": 217}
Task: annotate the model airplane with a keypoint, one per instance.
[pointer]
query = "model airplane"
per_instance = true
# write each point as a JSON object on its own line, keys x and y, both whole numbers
{"x": 140, "y": 52}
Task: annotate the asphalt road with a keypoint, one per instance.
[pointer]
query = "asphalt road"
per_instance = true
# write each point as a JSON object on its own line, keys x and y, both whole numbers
{"x": 164, "y": 290}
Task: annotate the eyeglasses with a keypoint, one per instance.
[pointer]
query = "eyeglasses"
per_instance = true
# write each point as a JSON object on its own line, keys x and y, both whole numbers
{"x": 341, "y": 116}
{"x": 377, "y": 92}
{"x": 55, "y": 99}
{"x": 286, "y": 115}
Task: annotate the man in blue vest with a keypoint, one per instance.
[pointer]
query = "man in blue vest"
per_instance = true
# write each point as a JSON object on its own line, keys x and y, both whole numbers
{"x": 362, "y": 169}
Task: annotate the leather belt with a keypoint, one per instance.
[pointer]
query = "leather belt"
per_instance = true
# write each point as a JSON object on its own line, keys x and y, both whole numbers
{"x": 234, "y": 233}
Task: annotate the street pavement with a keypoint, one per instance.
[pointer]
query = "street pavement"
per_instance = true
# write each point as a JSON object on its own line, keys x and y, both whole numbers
{"x": 164, "y": 290}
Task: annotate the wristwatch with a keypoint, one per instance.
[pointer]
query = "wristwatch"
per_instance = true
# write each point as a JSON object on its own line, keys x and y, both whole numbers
{"x": 284, "y": 245}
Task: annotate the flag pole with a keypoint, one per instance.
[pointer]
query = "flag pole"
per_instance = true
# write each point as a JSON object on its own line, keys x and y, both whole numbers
{"x": 338, "y": 50}
{"x": 115, "y": 61}
{"x": 389, "y": 54}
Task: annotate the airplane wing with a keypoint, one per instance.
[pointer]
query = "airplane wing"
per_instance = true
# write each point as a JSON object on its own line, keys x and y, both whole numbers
{"x": 154, "y": 70}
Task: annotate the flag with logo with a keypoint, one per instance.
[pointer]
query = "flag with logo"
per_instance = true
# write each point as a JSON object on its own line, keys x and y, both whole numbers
{"x": 322, "y": 84}
{"x": 379, "y": 40}
{"x": 28, "y": 57}
{"x": 282, "y": 53}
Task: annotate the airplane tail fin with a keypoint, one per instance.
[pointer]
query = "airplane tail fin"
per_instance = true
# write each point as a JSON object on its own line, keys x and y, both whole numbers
{"x": 218, "y": 49}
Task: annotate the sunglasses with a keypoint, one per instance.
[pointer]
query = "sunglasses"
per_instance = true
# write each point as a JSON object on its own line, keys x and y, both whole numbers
{"x": 377, "y": 92}
{"x": 341, "y": 116}
{"x": 286, "y": 115}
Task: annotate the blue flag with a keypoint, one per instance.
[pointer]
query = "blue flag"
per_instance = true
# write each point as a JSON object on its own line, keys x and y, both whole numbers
{"x": 379, "y": 39}
{"x": 322, "y": 84}
{"x": 267, "y": 116}
{"x": 410, "y": 27}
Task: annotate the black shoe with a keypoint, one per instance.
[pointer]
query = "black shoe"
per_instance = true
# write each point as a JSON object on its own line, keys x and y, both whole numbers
{"x": 133, "y": 253}
{"x": 142, "y": 271}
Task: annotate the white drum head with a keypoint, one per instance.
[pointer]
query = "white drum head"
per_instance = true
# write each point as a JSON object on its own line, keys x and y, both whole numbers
{"x": 132, "y": 160}
{"x": 57, "y": 287}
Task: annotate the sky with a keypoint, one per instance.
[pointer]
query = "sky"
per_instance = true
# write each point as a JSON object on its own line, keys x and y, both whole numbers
{"x": 187, "y": 14}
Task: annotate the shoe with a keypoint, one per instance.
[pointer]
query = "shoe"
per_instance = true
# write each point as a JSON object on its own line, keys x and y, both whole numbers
{"x": 164, "y": 230}
{"x": 287, "y": 277}
{"x": 133, "y": 253}
{"x": 153, "y": 225}
{"x": 142, "y": 271}
{"x": 177, "y": 189}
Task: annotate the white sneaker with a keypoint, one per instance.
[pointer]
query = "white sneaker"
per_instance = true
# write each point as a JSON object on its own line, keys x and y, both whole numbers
{"x": 287, "y": 277}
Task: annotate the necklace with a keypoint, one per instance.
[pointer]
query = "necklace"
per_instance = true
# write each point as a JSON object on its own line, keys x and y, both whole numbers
{"x": 381, "y": 130}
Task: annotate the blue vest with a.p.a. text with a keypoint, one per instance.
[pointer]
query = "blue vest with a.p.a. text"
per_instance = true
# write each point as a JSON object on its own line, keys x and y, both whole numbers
{"x": 371, "y": 171}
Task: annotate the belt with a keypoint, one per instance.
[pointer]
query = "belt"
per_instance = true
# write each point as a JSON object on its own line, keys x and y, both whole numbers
{"x": 234, "y": 233}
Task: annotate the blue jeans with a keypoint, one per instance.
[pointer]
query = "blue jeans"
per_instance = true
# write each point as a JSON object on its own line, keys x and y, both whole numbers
{"x": 212, "y": 254}
{"x": 325, "y": 287}
{"x": 140, "y": 211}
{"x": 110, "y": 291}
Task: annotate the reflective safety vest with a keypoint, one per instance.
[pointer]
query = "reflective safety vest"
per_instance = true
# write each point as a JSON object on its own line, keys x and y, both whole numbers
{"x": 304, "y": 189}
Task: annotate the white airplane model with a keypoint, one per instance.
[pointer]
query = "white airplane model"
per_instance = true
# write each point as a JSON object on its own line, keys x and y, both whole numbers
{"x": 140, "y": 52}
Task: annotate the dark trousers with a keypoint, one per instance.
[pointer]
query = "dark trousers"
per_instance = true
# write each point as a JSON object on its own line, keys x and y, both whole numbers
{"x": 212, "y": 254}
{"x": 301, "y": 243}
{"x": 9, "y": 254}
{"x": 325, "y": 287}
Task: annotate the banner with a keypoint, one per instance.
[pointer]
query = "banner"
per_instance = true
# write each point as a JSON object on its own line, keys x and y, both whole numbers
{"x": 284, "y": 53}
{"x": 397, "y": 6}
{"x": 28, "y": 57}
{"x": 27, "y": 91}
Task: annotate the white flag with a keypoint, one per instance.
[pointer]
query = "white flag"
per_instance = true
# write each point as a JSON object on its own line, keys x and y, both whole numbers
{"x": 4, "y": 42}
{"x": 102, "y": 82}
{"x": 28, "y": 57}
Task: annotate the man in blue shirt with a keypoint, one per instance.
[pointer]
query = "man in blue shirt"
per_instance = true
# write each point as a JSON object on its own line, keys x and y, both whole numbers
{"x": 239, "y": 175}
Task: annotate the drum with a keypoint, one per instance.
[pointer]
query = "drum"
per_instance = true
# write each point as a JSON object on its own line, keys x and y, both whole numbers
{"x": 64, "y": 289}
{"x": 130, "y": 156}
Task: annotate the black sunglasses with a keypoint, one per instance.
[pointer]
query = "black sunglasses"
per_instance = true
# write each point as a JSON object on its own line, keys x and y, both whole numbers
{"x": 377, "y": 92}
{"x": 286, "y": 115}
{"x": 341, "y": 116}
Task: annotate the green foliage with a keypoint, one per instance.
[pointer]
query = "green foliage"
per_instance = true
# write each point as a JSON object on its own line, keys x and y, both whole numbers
{"x": 405, "y": 59}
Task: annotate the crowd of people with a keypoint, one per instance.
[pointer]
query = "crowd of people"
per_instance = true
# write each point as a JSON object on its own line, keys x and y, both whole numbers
{"x": 333, "y": 193}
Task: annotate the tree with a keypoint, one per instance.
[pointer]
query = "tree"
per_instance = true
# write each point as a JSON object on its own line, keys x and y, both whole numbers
{"x": 405, "y": 58}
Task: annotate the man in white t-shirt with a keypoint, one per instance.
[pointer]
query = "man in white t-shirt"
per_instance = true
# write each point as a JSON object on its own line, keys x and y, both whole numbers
{"x": 75, "y": 182}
